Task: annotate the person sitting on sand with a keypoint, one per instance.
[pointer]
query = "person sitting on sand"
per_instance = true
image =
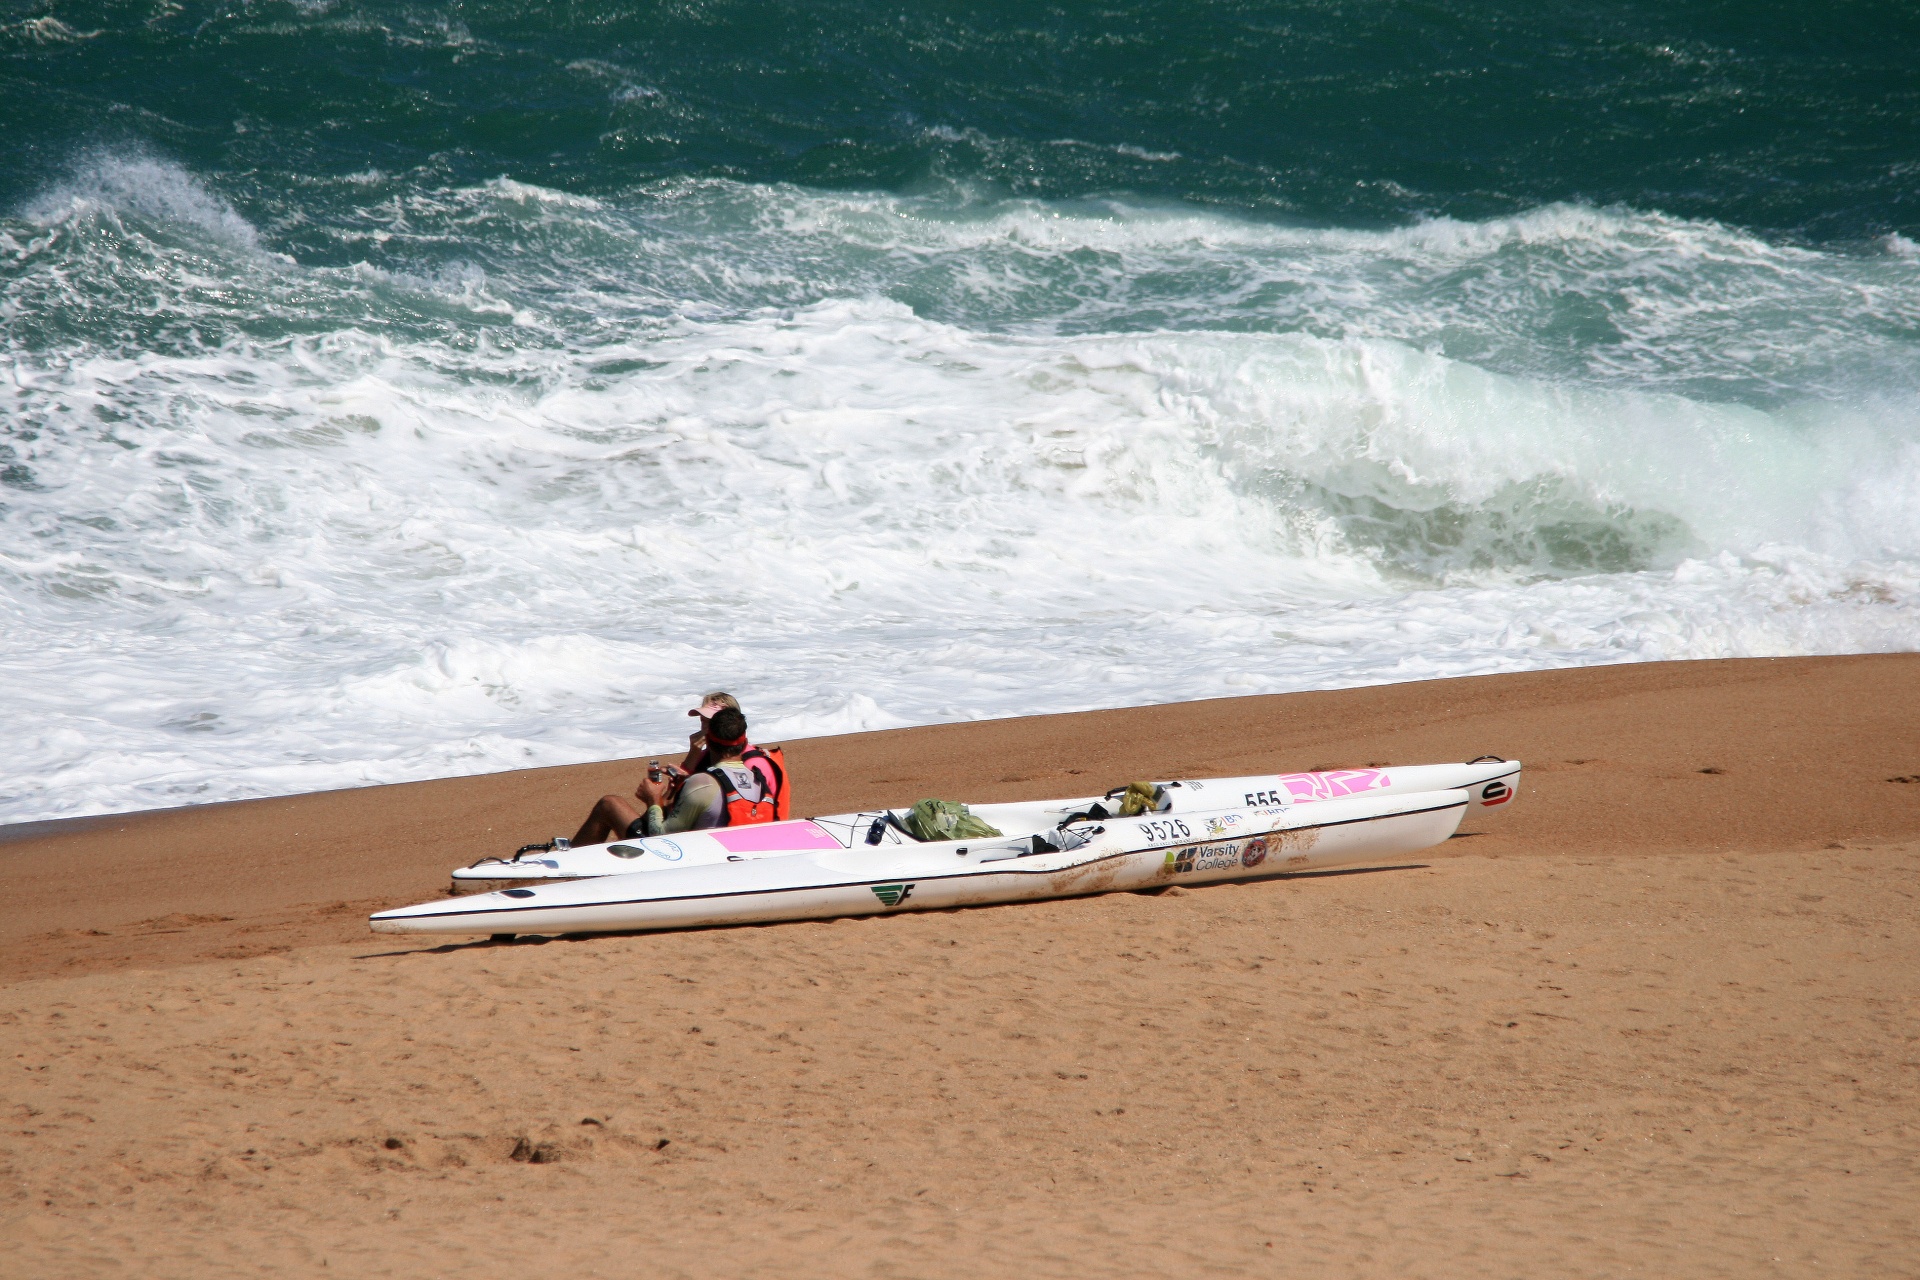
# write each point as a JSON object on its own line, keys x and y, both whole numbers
{"x": 606, "y": 821}
{"x": 770, "y": 763}
{"x": 727, "y": 792}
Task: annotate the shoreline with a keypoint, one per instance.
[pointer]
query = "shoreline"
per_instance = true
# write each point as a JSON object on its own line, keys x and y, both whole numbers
{"x": 1614, "y": 759}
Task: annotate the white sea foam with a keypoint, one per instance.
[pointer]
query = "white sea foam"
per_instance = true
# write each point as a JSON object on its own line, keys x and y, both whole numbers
{"x": 874, "y": 463}
{"x": 133, "y": 182}
{"x": 47, "y": 30}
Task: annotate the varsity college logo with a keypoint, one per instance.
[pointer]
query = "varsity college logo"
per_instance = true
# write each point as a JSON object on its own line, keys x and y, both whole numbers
{"x": 892, "y": 895}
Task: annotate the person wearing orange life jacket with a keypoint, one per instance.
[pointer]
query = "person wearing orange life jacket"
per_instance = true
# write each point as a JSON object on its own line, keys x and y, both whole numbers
{"x": 770, "y": 764}
{"x": 741, "y": 785}
{"x": 751, "y": 780}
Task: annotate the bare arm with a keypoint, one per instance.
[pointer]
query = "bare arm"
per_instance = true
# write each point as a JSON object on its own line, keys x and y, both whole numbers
{"x": 696, "y": 757}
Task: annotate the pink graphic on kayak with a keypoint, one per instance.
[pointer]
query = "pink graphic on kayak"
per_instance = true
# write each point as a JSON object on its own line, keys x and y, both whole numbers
{"x": 1333, "y": 784}
{"x": 775, "y": 837}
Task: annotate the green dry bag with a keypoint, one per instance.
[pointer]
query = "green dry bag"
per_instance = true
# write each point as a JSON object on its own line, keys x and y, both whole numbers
{"x": 946, "y": 820}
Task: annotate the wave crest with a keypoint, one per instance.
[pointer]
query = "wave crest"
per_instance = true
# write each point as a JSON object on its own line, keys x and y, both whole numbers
{"x": 137, "y": 186}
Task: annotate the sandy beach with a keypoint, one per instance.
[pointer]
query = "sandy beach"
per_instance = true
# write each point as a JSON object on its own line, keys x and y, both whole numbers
{"x": 1657, "y": 1018}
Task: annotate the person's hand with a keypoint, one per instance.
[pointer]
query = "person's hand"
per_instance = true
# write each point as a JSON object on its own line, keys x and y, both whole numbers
{"x": 652, "y": 791}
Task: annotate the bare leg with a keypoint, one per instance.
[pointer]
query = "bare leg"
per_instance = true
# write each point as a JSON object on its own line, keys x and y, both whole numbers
{"x": 608, "y": 821}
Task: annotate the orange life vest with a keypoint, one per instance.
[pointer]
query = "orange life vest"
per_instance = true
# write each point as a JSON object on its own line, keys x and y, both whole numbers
{"x": 771, "y": 764}
{"x": 754, "y": 788}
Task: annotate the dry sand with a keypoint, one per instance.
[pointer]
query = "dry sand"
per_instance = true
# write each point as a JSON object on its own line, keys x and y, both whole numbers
{"x": 1657, "y": 1018}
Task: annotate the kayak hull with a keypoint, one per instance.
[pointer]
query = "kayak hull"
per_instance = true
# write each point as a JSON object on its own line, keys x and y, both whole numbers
{"x": 1120, "y": 854}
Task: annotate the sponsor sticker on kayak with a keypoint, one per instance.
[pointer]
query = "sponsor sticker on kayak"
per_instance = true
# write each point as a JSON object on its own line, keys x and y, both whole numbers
{"x": 891, "y": 895}
{"x": 1203, "y": 857}
{"x": 1254, "y": 854}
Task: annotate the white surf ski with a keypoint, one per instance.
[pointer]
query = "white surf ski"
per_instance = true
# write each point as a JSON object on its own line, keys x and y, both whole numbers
{"x": 1084, "y": 857}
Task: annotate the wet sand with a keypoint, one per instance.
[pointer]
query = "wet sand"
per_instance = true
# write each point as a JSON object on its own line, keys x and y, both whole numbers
{"x": 1658, "y": 1016}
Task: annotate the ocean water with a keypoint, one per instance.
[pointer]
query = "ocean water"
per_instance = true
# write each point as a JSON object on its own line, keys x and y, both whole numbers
{"x": 395, "y": 390}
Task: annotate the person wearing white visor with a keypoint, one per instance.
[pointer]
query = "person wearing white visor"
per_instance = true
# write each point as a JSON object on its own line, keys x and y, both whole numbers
{"x": 710, "y": 705}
